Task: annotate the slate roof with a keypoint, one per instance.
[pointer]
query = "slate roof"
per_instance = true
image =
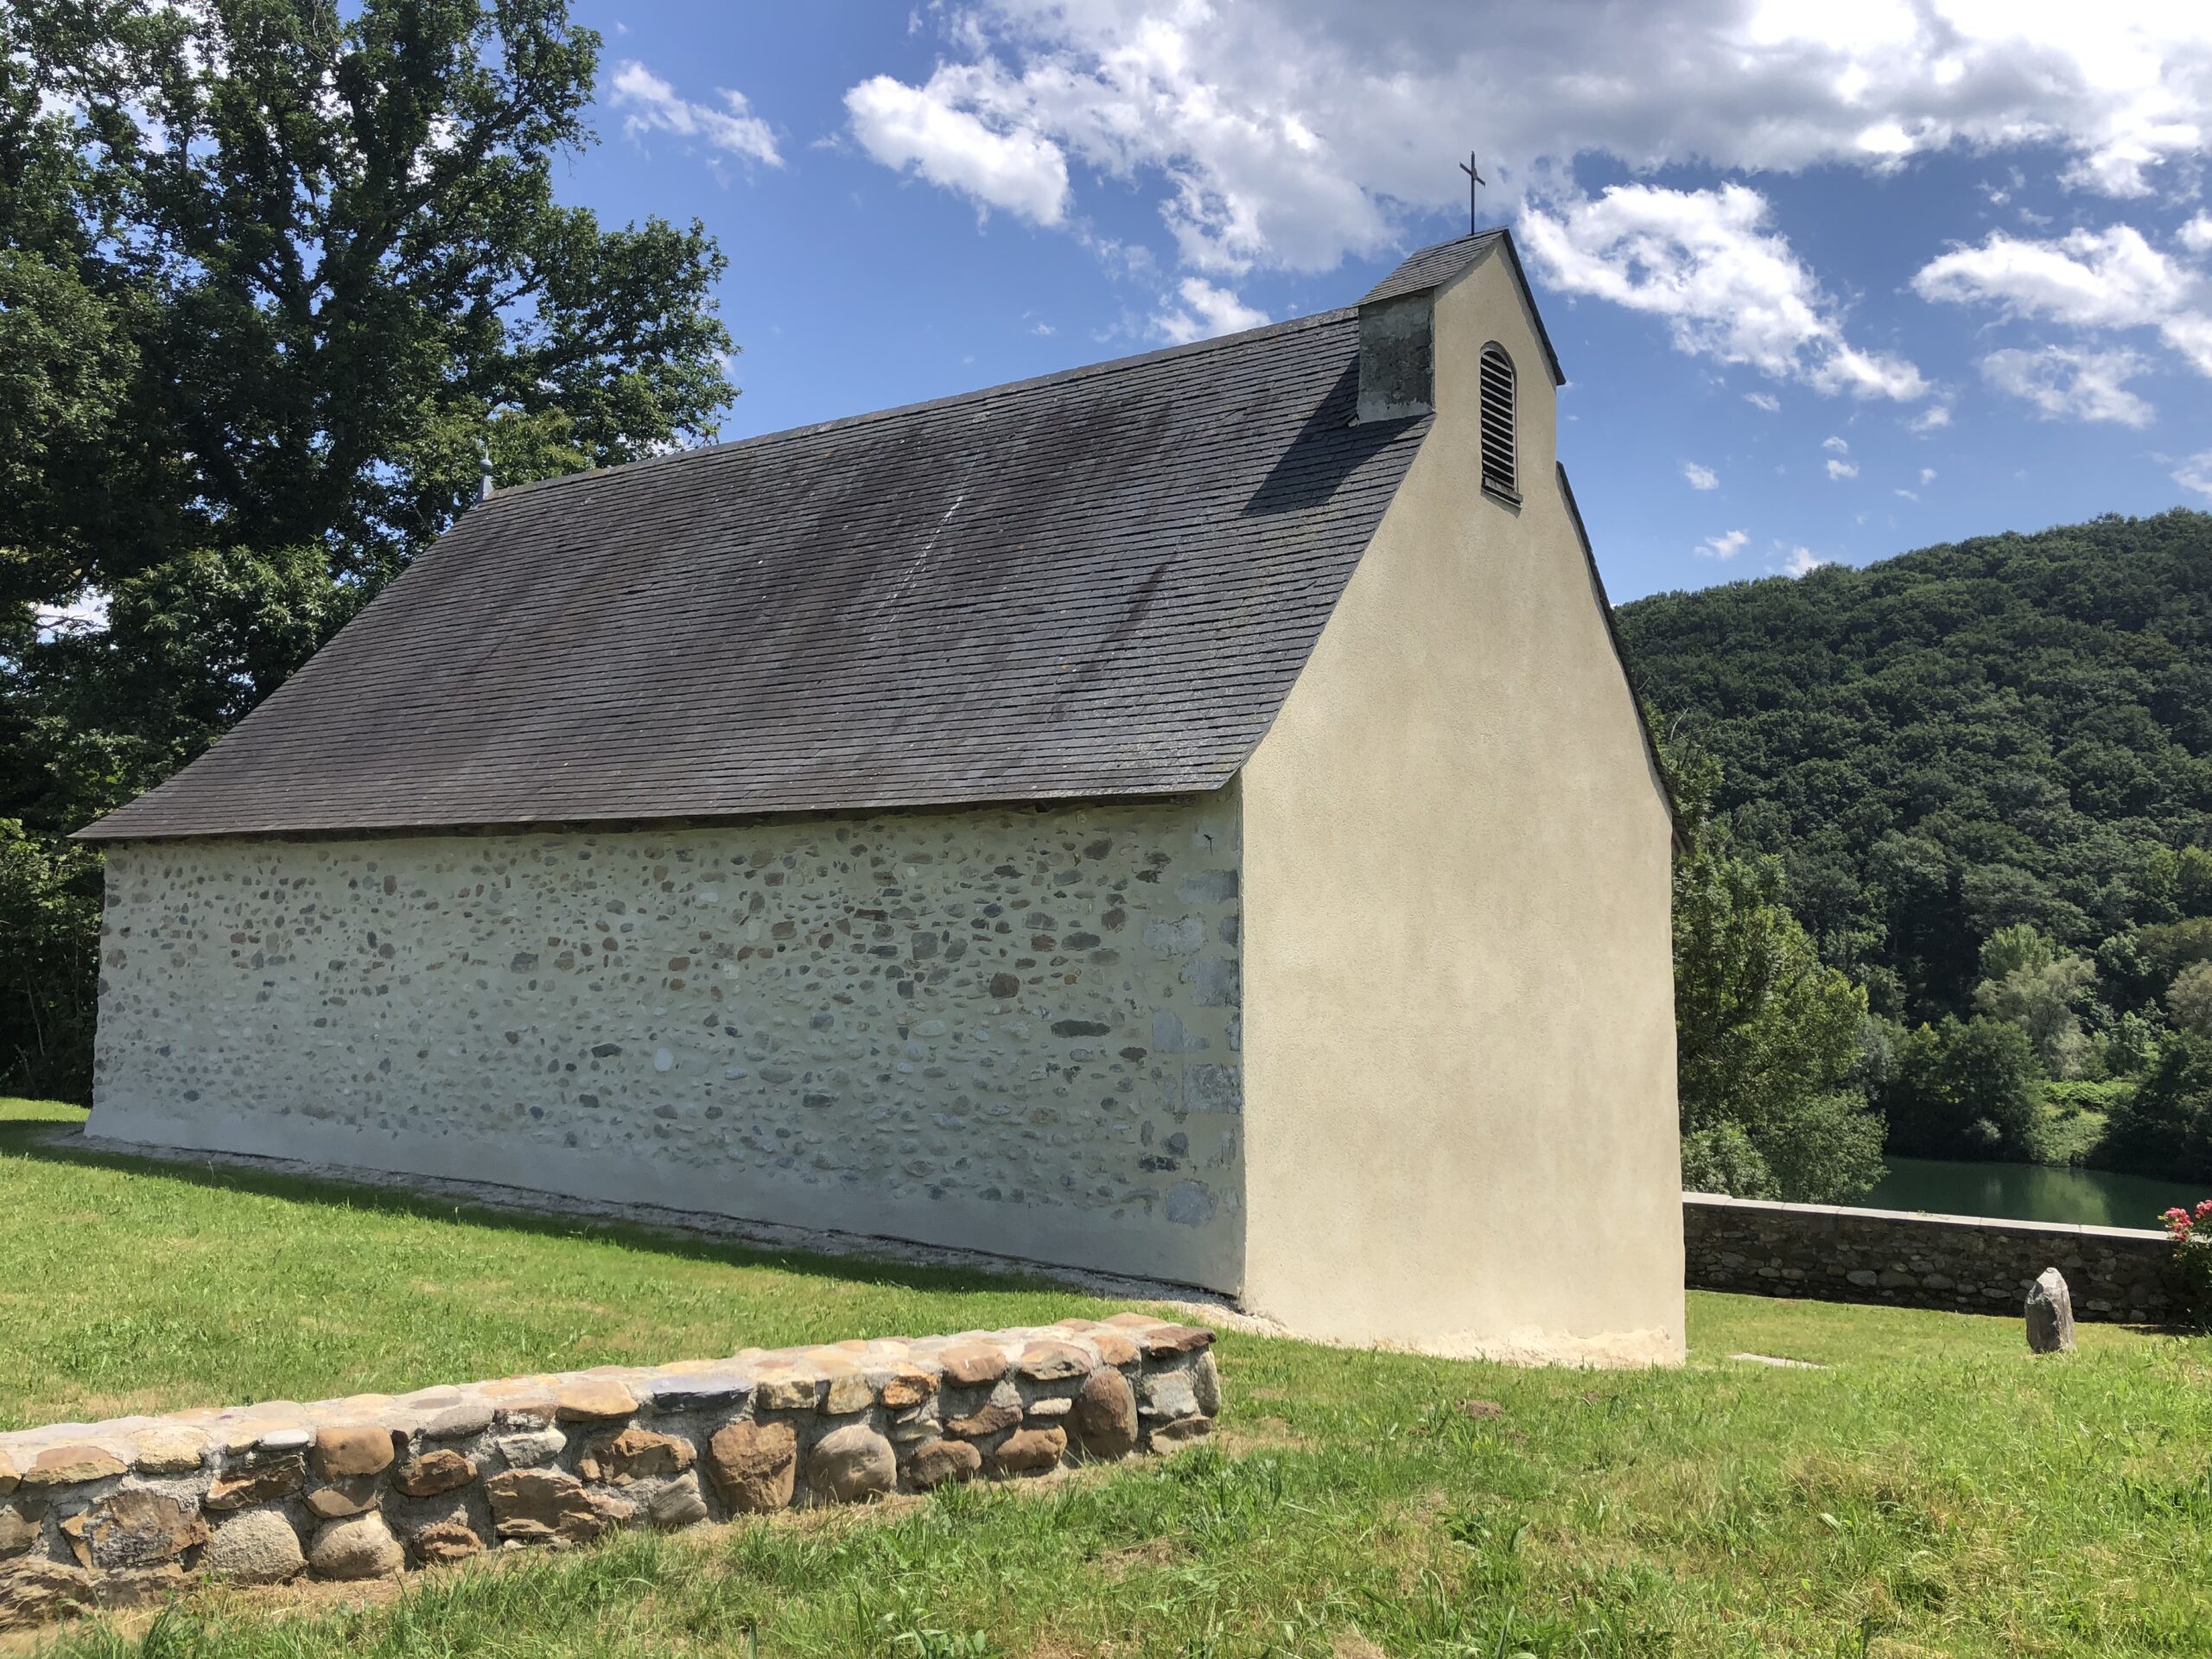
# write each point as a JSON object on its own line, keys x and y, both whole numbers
{"x": 1099, "y": 583}
{"x": 1434, "y": 267}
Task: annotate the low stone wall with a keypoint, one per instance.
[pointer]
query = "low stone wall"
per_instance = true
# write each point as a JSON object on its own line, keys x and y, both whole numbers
{"x": 1961, "y": 1262}
{"x": 121, "y": 1513}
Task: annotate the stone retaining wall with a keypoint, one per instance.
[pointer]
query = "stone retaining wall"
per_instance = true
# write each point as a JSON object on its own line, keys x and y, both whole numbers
{"x": 1960, "y": 1262}
{"x": 121, "y": 1513}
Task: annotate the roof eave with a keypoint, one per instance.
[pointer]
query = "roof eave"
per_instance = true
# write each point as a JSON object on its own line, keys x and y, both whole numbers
{"x": 1536, "y": 312}
{"x": 1680, "y": 830}
{"x": 96, "y": 833}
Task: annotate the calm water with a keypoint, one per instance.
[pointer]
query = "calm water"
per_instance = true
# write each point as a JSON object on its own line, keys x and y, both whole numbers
{"x": 2027, "y": 1192}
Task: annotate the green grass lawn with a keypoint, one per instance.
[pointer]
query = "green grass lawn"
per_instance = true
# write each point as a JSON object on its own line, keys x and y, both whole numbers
{"x": 1937, "y": 1491}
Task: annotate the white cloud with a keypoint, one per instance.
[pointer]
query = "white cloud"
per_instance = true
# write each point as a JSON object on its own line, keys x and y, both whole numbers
{"x": 2080, "y": 384}
{"x": 1700, "y": 478}
{"x": 1205, "y": 310}
{"x": 1931, "y": 419}
{"x": 1765, "y": 400}
{"x": 1803, "y": 562}
{"x": 2088, "y": 281}
{"x": 654, "y": 106}
{"x": 1927, "y": 476}
{"x": 1289, "y": 132}
{"x": 1726, "y": 545}
{"x": 2110, "y": 278}
{"x": 1835, "y": 444}
{"x": 2196, "y": 473}
{"x": 1869, "y": 374}
{"x": 1312, "y": 121}
{"x": 1907, "y": 495}
{"x": 1841, "y": 469}
{"x": 926, "y": 127}
{"x": 1728, "y": 286}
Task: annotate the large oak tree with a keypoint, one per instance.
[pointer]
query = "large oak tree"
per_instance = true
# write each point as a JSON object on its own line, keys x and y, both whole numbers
{"x": 274, "y": 274}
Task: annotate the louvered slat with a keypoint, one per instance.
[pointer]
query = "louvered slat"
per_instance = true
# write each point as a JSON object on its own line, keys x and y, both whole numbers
{"x": 1498, "y": 419}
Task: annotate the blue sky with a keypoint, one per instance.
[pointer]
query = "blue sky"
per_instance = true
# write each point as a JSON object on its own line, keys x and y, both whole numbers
{"x": 1828, "y": 283}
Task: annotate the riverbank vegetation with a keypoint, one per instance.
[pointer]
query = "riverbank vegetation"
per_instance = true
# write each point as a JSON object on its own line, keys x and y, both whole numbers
{"x": 1934, "y": 1489}
{"x": 1978, "y": 780}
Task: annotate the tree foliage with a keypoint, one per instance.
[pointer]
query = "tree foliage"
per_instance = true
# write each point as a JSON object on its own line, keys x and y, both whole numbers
{"x": 331, "y": 243}
{"x": 2016, "y": 729}
{"x": 1767, "y": 1037}
{"x": 49, "y": 934}
{"x": 2189, "y": 998}
{"x": 274, "y": 274}
{"x": 1970, "y": 1089}
{"x": 1985, "y": 771}
{"x": 2166, "y": 1123}
{"x": 2029, "y": 983}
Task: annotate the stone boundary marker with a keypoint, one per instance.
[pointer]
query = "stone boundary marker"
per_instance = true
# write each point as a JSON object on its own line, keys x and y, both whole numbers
{"x": 1965, "y": 1263}
{"x": 121, "y": 1513}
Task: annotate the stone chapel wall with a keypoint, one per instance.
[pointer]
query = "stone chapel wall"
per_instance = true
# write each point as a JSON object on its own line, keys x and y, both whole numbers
{"x": 1011, "y": 1029}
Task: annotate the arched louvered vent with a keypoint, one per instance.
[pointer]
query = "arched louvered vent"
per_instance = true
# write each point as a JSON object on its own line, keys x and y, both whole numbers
{"x": 1499, "y": 473}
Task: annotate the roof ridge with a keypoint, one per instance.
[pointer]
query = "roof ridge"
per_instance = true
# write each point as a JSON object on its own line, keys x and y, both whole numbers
{"x": 1432, "y": 267}
{"x": 1033, "y": 382}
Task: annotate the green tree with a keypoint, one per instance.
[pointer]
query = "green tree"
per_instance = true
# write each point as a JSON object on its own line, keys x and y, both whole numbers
{"x": 2164, "y": 1127}
{"x": 1767, "y": 1037}
{"x": 1971, "y": 1090}
{"x": 2010, "y": 950}
{"x": 2011, "y": 730}
{"x": 274, "y": 274}
{"x": 2189, "y": 997}
{"x": 50, "y": 937}
{"x": 2128, "y": 1048}
{"x": 2184, "y": 877}
{"x": 2168, "y": 951}
{"x": 332, "y": 233}
{"x": 2028, "y": 982}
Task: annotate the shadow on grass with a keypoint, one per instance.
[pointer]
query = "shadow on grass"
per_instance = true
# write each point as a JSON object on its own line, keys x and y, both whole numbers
{"x": 874, "y": 1262}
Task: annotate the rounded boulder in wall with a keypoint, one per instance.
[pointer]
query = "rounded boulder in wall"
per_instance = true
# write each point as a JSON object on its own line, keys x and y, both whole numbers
{"x": 257, "y": 1547}
{"x": 852, "y": 1464}
{"x": 361, "y": 1547}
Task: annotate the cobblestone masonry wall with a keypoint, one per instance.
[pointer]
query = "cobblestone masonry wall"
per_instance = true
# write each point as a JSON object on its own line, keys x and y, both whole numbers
{"x": 1916, "y": 1260}
{"x": 121, "y": 1513}
{"x": 1013, "y": 1030}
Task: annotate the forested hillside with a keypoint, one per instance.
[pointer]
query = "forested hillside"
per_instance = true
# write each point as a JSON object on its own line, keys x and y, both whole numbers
{"x": 1986, "y": 773}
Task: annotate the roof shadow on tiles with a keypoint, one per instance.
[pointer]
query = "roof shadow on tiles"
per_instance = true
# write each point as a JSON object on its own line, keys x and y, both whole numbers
{"x": 1328, "y": 449}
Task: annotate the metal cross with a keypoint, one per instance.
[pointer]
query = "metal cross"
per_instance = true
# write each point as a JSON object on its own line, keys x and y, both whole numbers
{"x": 1474, "y": 179}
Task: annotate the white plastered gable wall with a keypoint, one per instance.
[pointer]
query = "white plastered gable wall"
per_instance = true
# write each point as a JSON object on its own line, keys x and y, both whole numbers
{"x": 1461, "y": 1124}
